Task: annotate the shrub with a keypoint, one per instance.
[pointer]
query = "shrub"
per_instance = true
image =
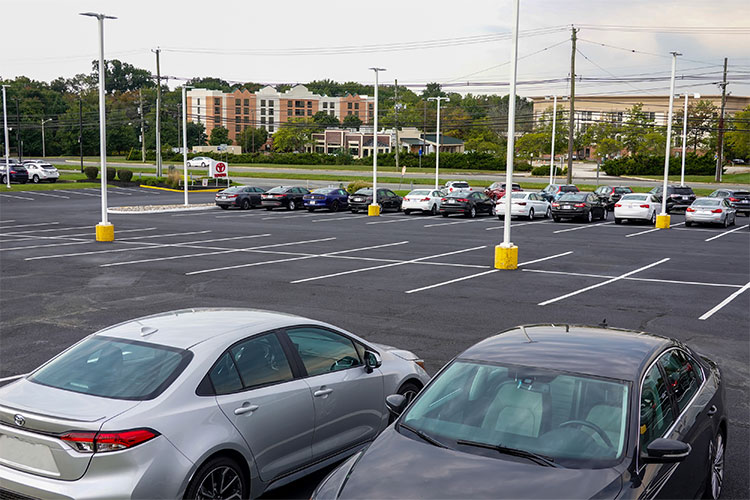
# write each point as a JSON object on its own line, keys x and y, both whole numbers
{"x": 91, "y": 172}
{"x": 544, "y": 171}
{"x": 153, "y": 181}
{"x": 173, "y": 177}
{"x": 125, "y": 175}
{"x": 356, "y": 185}
{"x": 654, "y": 165}
{"x": 522, "y": 166}
{"x": 111, "y": 173}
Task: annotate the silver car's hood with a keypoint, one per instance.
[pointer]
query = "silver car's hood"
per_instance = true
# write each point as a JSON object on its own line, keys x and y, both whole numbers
{"x": 401, "y": 353}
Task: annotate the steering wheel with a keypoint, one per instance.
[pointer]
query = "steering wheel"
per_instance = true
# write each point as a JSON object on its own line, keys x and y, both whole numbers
{"x": 590, "y": 425}
{"x": 344, "y": 363}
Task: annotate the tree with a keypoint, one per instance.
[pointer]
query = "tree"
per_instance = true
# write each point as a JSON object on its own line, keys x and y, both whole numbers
{"x": 253, "y": 138}
{"x": 196, "y": 134}
{"x": 293, "y": 135}
{"x": 533, "y": 144}
{"x": 737, "y": 139}
{"x": 326, "y": 120}
{"x": 702, "y": 119}
{"x": 352, "y": 121}
{"x": 122, "y": 77}
{"x": 635, "y": 128}
{"x": 219, "y": 135}
{"x": 432, "y": 90}
{"x": 209, "y": 83}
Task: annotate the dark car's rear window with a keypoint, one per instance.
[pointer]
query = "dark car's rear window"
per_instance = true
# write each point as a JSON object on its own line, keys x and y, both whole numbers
{"x": 573, "y": 197}
{"x": 742, "y": 193}
{"x": 364, "y": 192}
{"x": 277, "y": 189}
{"x": 234, "y": 189}
{"x": 114, "y": 368}
{"x": 683, "y": 190}
{"x": 324, "y": 191}
{"x": 569, "y": 189}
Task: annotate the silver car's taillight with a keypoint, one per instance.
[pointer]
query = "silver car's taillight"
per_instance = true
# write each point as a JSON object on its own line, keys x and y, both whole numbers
{"x": 91, "y": 442}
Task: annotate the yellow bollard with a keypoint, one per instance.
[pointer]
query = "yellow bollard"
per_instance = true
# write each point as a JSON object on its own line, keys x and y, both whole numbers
{"x": 373, "y": 210}
{"x": 506, "y": 257}
{"x": 105, "y": 232}
{"x": 662, "y": 221}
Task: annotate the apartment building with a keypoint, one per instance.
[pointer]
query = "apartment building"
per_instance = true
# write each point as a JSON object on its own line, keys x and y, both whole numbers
{"x": 357, "y": 144}
{"x": 269, "y": 108}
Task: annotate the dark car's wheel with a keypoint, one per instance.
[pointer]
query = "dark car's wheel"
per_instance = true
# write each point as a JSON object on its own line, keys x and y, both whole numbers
{"x": 245, "y": 204}
{"x": 618, "y": 221}
{"x": 556, "y": 219}
{"x": 434, "y": 210}
{"x": 548, "y": 213}
{"x": 2, "y": 179}
{"x": 269, "y": 208}
{"x": 472, "y": 213}
{"x": 407, "y": 211}
{"x": 218, "y": 478}
{"x": 35, "y": 179}
{"x": 653, "y": 218}
{"x": 335, "y": 206}
{"x": 224, "y": 207}
{"x": 444, "y": 215}
{"x": 715, "y": 478}
{"x": 292, "y": 205}
{"x": 53, "y": 180}
{"x": 688, "y": 223}
{"x": 531, "y": 214}
{"x": 605, "y": 214}
{"x": 310, "y": 209}
{"x": 726, "y": 221}
{"x": 589, "y": 216}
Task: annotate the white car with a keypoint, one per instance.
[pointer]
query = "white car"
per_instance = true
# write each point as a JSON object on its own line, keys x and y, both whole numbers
{"x": 451, "y": 186}
{"x": 424, "y": 200}
{"x": 199, "y": 161}
{"x": 711, "y": 211}
{"x": 525, "y": 204}
{"x": 637, "y": 206}
{"x": 40, "y": 170}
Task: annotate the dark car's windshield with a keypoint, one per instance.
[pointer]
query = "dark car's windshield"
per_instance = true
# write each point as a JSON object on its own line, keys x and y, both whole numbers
{"x": 114, "y": 368}
{"x": 526, "y": 408}
{"x": 323, "y": 191}
{"x": 277, "y": 189}
{"x": 683, "y": 190}
{"x": 573, "y": 197}
{"x": 364, "y": 192}
{"x": 571, "y": 189}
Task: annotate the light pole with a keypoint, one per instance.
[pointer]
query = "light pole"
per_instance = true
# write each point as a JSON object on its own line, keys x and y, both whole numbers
{"x": 662, "y": 220}
{"x": 374, "y": 208}
{"x": 184, "y": 141}
{"x": 506, "y": 254}
{"x": 7, "y": 148}
{"x": 104, "y": 230}
{"x": 684, "y": 137}
{"x": 554, "y": 122}
{"x": 437, "y": 151}
{"x": 44, "y": 151}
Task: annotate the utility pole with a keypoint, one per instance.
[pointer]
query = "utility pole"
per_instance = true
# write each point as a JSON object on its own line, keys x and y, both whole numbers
{"x": 720, "y": 142}
{"x": 18, "y": 132}
{"x": 571, "y": 122}
{"x": 395, "y": 98}
{"x": 179, "y": 113}
{"x": 5, "y": 135}
{"x": 437, "y": 152}
{"x": 158, "y": 113}
{"x": 424, "y": 131}
{"x": 80, "y": 129}
{"x": 44, "y": 150}
{"x": 143, "y": 135}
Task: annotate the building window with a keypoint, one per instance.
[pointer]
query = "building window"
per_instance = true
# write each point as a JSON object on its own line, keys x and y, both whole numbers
{"x": 325, "y": 105}
{"x": 237, "y": 102}
{"x": 236, "y": 111}
{"x": 217, "y": 111}
{"x": 309, "y": 112}
{"x": 369, "y": 106}
{"x": 299, "y": 112}
{"x": 270, "y": 119}
{"x": 290, "y": 104}
{"x": 262, "y": 102}
{"x": 356, "y": 105}
{"x": 199, "y": 101}
{"x": 288, "y": 112}
{"x": 217, "y": 119}
{"x": 262, "y": 111}
{"x": 270, "y": 103}
{"x": 263, "y": 120}
{"x": 270, "y": 129}
{"x": 299, "y": 104}
{"x": 237, "y": 128}
{"x": 348, "y": 112}
{"x": 332, "y": 113}
{"x": 349, "y": 106}
{"x": 309, "y": 104}
{"x": 199, "y": 111}
{"x": 247, "y": 119}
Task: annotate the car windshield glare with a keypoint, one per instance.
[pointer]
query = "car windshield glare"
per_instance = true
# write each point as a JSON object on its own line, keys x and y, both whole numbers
{"x": 634, "y": 197}
{"x": 322, "y": 190}
{"x": 277, "y": 189}
{"x": 419, "y": 192}
{"x": 573, "y": 197}
{"x": 577, "y": 420}
{"x": 233, "y": 189}
{"x": 114, "y": 368}
{"x": 364, "y": 192}
{"x": 705, "y": 202}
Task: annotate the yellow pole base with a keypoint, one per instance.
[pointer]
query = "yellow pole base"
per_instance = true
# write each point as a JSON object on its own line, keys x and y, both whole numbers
{"x": 506, "y": 257}
{"x": 662, "y": 221}
{"x": 105, "y": 232}
{"x": 373, "y": 210}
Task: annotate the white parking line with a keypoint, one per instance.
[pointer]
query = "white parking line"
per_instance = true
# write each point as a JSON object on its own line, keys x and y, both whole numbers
{"x": 725, "y": 302}
{"x": 651, "y": 230}
{"x": 31, "y": 225}
{"x": 227, "y": 216}
{"x": 617, "y": 278}
{"x": 404, "y": 219}
{"x": 112, "y": 190}
{"x": 456, "y": 222}
{"x": 44, "y": 230}
{"x": 277, "y": 217}
{"x": 77, "y": 191}
{"x": 50, "y": 194}
{"x": 67, "y": 243}
{"x": 582, "y": 227}
{"x": 349, "y": 217}
{"x": 293, "y": 258}
{"x": 516, "y": 225}
{"x": 12, "y": 377}
{"x": 412, "y": 261}
{"x": 16, "y": 197}
{"x": 631, "y": 278}
{"x": 7, "y": 221}
{"x": 725, "y": 233}
{"x": 484, "y": 273}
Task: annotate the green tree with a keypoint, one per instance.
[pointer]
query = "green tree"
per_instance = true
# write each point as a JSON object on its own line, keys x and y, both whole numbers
{"x": 293, "y": 135}
{"x": 737, "y": 138}
{"x": 209, "y": 83}
{"x": 432, "y": 90}
{"x": 219, "y": 135}
{"x": 253, "y": 138}
{"x": 324, "y": 119}
{"x": 532, "y": 144}
{"x": 121, "y": 76}
{"x": 703, "y": 116}
{"x": 635, "y": 128}
{"x": 196, "y": 134}
{"x": 352, "y": 121}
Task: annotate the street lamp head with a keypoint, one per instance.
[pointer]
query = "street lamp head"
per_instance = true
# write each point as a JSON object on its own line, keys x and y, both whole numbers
{"x": 377, "y": 69}
{"x": 98, "y": 16}
{"x": 675, "y": 53}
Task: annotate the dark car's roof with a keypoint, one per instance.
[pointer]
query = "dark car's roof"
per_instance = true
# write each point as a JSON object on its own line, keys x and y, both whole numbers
{"x": 605, "y": 352}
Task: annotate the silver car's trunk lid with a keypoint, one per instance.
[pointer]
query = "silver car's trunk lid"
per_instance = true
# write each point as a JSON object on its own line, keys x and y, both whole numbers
{"x": 30, "y": 439}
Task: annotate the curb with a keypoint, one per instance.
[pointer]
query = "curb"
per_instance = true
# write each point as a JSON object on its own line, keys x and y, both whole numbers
{"x": 120, "y": 211}
{"x": 182, "y": 190}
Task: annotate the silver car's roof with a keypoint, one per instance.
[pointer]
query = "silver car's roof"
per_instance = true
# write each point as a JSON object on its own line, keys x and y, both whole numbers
{"x": 187, "y": 327}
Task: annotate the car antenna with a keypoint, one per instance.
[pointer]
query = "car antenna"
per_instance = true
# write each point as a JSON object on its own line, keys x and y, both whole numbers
{"x": 604, "y": 324}
{"x": 523, "y": 329}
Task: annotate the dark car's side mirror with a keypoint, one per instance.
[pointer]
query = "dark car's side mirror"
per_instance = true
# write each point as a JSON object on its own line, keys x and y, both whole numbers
{"x": 396, "y": 403}
{"x": 666, "y": 451}
{"x": 372, "y": 361}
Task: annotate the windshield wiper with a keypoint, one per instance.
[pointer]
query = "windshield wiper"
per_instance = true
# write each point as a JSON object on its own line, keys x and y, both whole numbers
{"x": 424, "y": 436}
{"x": 534, "y": 457}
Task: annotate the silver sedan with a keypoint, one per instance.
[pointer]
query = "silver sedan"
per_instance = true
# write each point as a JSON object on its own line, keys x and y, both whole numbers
{"x": 199, "y": 403}
{"x": 711, "y": 211}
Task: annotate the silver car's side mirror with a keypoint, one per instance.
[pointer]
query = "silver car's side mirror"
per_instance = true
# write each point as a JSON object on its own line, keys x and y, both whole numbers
{"x": 372, "y": 361}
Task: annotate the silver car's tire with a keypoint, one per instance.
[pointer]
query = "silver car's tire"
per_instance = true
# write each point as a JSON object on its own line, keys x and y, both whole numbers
{"x": 219, "y": 478}
{"x": 726, "y": 221}
{"x": 715, "y": 479}
{"x": 548, "y": 213}
{"x": 434, "y": 210}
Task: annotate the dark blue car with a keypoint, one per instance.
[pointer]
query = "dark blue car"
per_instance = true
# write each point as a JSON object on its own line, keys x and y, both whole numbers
{"x": 334, "y": 199}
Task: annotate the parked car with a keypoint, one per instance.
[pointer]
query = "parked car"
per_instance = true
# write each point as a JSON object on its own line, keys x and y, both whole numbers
{"x": 740, "y": 200}
{"x": 637, "y": 206}
{"x": 611, "y": 194}
{"x": 738, "y": 161}
{"x": 289, "y": 197}
{"x": 497, "y": 189}
{"x": 451, "y": 186}
{"x": 423, "y": 200}
{"x": 199, "y": 161}
{"x": 18, "y": 172}
{"x": 554, "y": 191}
{"x": 244, "y": 197}
{"x": 468, "y": 203}
{"x": 551, "y": 411}
{"x": 40, "y": 170}
{"x": 711, "y": 211}
{"x": 334, "y": 199}
{"x": 524, "y": 204}
{"x": 175, "y": 404}
{"x": 586, "y": 206}
{"x": 678, "y": 197}
{"x": 387, "y": 199}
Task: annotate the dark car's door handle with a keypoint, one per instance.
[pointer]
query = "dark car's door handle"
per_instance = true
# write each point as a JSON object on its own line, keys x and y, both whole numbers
{"x": 712, "y": 411}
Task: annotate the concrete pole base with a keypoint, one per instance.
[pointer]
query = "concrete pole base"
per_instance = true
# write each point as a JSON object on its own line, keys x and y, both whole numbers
{"x": 373, "y": 210}
{"x": 105, "y": 232}
{"x": 662, "y": 221}
{"x": 506, "y": 257}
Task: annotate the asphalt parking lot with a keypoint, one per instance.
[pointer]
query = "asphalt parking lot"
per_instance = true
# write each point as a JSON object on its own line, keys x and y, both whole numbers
{"x": 422, "y": 283}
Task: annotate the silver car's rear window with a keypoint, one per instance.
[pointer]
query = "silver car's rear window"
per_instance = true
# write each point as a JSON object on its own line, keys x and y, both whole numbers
{"x": 114, "y": 368}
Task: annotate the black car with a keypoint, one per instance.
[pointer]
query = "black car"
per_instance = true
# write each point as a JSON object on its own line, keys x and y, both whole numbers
{"x": 243, "y": 197}
{"x": 612, "y": 194}
{"x": 740, "y": 200}
{"x": 552, "y": 411}
{"x": 18, "y": 172}
{"x": 362, "y": 198}
{"x": 468, "y": 203}
{"x": 678, "y": 197}
{"x": 586, "y": 206}
{"x": 289, "y": 197}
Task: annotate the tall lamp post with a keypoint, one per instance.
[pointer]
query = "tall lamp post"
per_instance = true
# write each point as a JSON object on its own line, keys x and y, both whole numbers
{"x": 44, "y": 151}
{"x": 684, "y": 137}
{"x": 7, "y": 148}
{"x": 506, "y": 254}
{"x": 104, "y": 230}
{"x": 374, "y": 208}
{"x": 437, "y": 151}
{"x": 184, "y": 140}
{"x": 662, "y": 220}
{"x": 554, "y": 122}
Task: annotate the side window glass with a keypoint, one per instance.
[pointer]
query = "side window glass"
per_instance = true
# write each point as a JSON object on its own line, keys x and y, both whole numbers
{"x": 323, "y": 351}
{"x": 261, "y": 361}
{"x": 224, "y": 376}
{"x": 656, "y": 410}
{"x": 683, "y": 376}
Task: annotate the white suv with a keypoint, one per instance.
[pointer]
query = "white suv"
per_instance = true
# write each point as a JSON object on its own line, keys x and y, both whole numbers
{"x": 40, "y": 170}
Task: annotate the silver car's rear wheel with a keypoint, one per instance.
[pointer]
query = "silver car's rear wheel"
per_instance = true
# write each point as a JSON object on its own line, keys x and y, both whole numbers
{"x": 219, "y": 479}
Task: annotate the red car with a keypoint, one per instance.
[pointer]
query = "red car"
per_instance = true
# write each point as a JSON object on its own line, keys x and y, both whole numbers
{"x": 496, "y": 190}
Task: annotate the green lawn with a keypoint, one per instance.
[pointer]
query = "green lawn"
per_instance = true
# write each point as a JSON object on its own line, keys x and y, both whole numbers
{"x": 725, "y": 179}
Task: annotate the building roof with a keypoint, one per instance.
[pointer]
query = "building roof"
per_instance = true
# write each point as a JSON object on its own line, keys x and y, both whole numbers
{"x": 410, "y": 140}
{"x": 444, "y": 140}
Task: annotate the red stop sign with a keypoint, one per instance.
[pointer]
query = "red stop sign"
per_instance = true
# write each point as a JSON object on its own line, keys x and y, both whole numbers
{"x": 221, "y": 167}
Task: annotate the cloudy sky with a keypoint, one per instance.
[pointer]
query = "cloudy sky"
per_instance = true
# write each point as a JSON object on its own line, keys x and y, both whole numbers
{"x": 416, "y": 41}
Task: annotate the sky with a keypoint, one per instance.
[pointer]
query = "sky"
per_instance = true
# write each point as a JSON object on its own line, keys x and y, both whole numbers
{"x": 415, "y": 41}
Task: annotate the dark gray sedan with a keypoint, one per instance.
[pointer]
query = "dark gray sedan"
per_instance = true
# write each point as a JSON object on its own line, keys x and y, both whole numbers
{"x": 550, "y": 411}
{"x": 243, "y": 197}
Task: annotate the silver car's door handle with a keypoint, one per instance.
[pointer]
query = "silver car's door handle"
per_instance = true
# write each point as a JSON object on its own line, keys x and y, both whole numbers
{"x": 322, "y": 392}
{"x": 245, "y": 409}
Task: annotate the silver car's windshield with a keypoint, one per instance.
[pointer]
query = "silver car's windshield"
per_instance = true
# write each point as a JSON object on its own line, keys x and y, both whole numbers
{"x": 577, "y": 420}
{"x": 114, "y": 368}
